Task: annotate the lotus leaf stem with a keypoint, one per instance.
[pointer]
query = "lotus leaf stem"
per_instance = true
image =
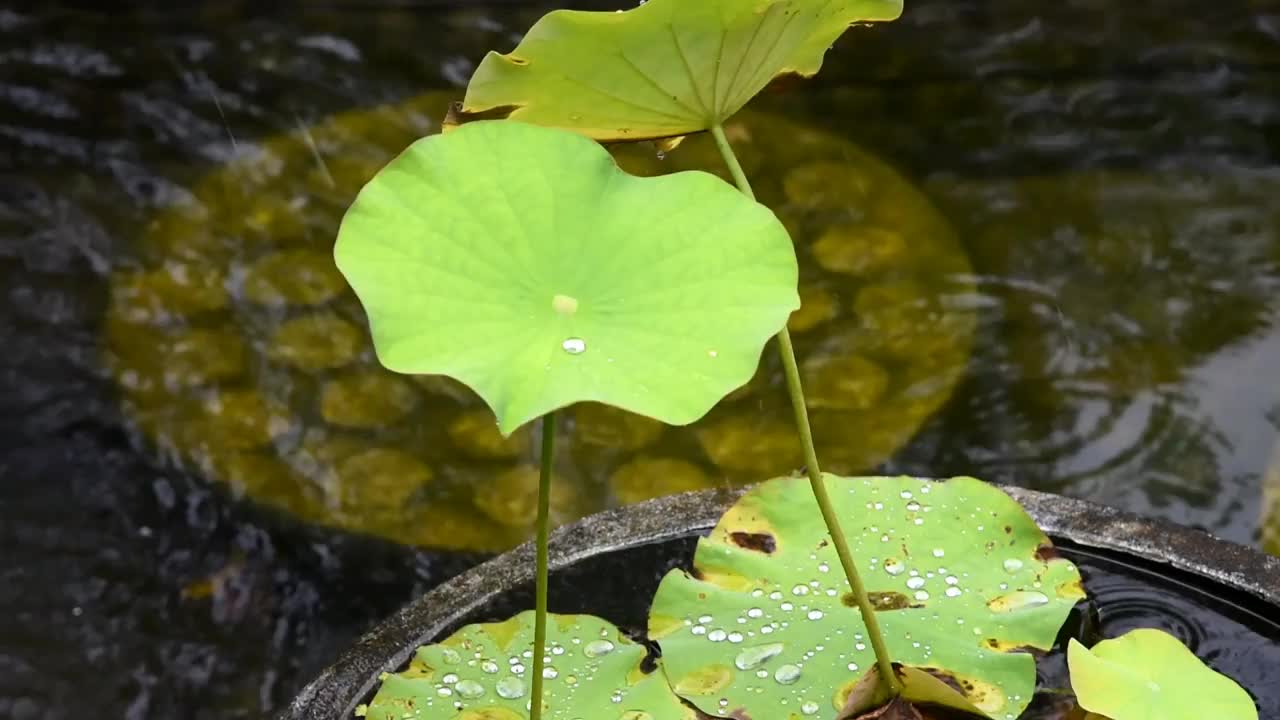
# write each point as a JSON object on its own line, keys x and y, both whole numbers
{"x": 888, "y": 679}
{"x": 540, "y": 592}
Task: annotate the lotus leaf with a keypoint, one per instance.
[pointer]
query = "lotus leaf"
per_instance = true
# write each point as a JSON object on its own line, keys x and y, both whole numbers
{"x": 482, "y": 672}
{"x": 521, "y": 261}
{"x": 661, "y": 70}
{"x": 1148, "y": 673}
{"x": 963, "y": 580}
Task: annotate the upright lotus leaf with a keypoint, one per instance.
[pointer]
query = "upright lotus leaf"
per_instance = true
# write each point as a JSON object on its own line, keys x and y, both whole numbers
{"x": 1148, "y": 673}
{"x": 482, "y": 672}
{"x": 661, "y": 70}
{"x": 521, "y": 261}
{"x": 963, "y": 580}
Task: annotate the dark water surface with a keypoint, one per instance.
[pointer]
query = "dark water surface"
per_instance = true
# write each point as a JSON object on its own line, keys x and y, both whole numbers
{"x": 1082, "y": 299}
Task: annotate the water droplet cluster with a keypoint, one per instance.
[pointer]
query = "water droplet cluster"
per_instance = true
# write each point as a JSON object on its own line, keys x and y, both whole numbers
{"x": 801, "y": 636}
{"x": 471, "y": 672}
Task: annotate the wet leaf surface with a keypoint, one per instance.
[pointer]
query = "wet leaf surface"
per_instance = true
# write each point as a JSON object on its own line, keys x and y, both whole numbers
{"x": 482, "y": 672}
{"x": 960, "y": 571}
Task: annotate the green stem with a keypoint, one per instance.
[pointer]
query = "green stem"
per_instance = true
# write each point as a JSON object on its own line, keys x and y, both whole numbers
{"x": 540, "y": 592}
{"x": 888, "y": 680}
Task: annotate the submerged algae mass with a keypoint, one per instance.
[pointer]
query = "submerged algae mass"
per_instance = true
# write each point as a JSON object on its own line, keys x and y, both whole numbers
{"x": 239, "y": 353}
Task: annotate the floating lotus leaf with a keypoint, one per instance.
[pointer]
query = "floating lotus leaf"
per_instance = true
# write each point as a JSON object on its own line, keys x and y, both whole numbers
{"x": 765, "y": 627}
{"x": 482, "y": 672}
{"x": 661, "y": 70}
{"x": 521, "y": 261}
{"x": 1148, "y": 673}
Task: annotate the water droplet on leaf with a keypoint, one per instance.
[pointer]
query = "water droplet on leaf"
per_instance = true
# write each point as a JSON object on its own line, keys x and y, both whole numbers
{"x": 1018, "y": 600}
{"x": 756, "y": 656}
{"x": 510, "y": 688}
{"x": 469, "y": 689}
{"x": 787, "y": 674}
{"x": 598, "y": 648}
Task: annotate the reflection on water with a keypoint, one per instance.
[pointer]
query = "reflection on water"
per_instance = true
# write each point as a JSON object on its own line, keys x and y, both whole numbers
{"x": 241, "y": 352}
{"x": 1090, "y": 226}
{"x": 1133, "y": 309}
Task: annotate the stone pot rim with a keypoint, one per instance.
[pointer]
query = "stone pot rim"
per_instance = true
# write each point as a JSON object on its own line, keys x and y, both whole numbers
{"x": 336, "y": 691}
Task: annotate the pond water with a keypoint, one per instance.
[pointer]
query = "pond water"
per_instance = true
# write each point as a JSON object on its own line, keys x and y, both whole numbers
{"x": 1038, "y": 246}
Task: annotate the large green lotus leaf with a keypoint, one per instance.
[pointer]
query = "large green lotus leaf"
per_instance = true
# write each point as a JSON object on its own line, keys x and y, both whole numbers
{"x": 661, "y": 70}
{"x": 962, "y": 578}
{"x": 482, "y": 672}
{"x": 521, "y": 261}
{"x": 1148, "y": 673}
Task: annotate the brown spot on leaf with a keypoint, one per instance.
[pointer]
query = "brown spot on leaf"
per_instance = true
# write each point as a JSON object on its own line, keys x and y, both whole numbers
{"x": 696, "y": 574}
{"x": 881, "y": 601}
{"x": 758, "y": 542}
{"x": 947, "y": 679}
{"x": 1007, "y": 646}
{"x": 1008, "y": 529}
{"x": 1047, "y": 552}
